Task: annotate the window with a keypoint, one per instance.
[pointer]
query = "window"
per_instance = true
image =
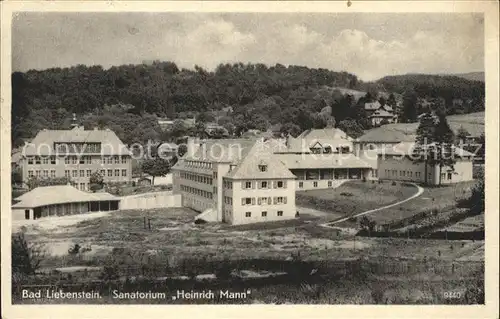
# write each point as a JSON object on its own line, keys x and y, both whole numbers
{"x": 117, "y": 160}
{"x": 263, "y": 184}
{"x": 329, "y": 183}
{"x": 30, "y": 160}
{"x": 53, "y": 173}
{"x": 37, "y": 160}
{"x": 280, "y": 200}
{"x": 74, "y": 173}
{"x": 82, "y": 160}
{"x": 74, "y": 160}
{"x": 124, "y": 160}
{"x": 248, "y": 201}
{"x": 53, "y": 160}
{"x": 110, "y": 172}
{"x": 45, "y": 173}
{"x": 30, "y": 174}
{"x": 37, "y": 173}
{"x": 301, "y": 184}
{"x": 46, "y": 160}
{"x": 248, "y": 185}
{"x": 280, "y": 184}
{"x": 263, "y": 168}
{"x": 248, "y": 214}
{"x": 315, "y": 184}
{"x": 117, "y": 172}
{"x": 82, "y": 186}
{"x": 124, "y": 172}
{"x": 82, "y": 173}
{"x": 67, "y": 173}
{"x": 443, "y": 175}
{"x": 264, "y": 214}
{"x": 449, "y": 175}
{"x": 280, "y": 213}
{"x": 66, "y": 160}
{"x": 103, "y": 172}
{"x": 89, "y": 172}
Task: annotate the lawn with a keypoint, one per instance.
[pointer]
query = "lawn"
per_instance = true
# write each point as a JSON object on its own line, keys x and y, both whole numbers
{"x": 439, "y": 198}
{"x": 355, "y": 197}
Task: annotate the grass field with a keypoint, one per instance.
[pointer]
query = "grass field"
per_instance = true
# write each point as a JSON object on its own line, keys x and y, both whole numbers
{"x": 119, "y": 239}
{"x": 355, "y": 197}
{"x": 440, "y": 198}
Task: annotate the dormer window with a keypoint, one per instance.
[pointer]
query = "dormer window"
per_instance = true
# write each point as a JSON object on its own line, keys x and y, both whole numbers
{"x": 263, "y": 168}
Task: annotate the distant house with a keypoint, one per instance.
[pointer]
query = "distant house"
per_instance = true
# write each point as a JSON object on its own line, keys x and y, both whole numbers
{"x": 212, "y": 128}
{"x": 167, "y": 150}
{"x": 144, "y": 181}
{"x": 377, "y": 113}
{"x": 166, "y": 124}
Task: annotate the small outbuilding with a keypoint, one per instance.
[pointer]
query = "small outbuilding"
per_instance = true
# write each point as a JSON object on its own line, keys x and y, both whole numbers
{"x": 59, "y": 201}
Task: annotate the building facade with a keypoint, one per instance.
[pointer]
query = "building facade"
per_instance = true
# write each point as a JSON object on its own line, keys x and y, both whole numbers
{"x": 235, "y": 181}
{"x": 77, "y": 154}
{"x": 396, "y": 163}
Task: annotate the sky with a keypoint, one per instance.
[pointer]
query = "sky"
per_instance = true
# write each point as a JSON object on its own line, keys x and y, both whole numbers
{"x": 370, "y": 45}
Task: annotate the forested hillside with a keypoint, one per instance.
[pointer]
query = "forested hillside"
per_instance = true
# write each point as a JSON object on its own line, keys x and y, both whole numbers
{"x": 129, "y": 98}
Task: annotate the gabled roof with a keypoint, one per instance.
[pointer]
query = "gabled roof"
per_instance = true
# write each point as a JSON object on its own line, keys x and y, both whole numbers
{"x": 43, "y": 143}
{"x": 222, "y": 150}
{"x": 371, "y": 106}
{"x": 309, "y": 161}
{"x": 258, "y": 155}
{"x": 386, "y": 134}
{"x": 326, "y": 133}
{"x": 381, "y": 113}
{"x": 60, "y": 194}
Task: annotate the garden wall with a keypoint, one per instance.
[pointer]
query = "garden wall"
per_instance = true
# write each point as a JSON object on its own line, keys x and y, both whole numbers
{"x": 151, "y": 200}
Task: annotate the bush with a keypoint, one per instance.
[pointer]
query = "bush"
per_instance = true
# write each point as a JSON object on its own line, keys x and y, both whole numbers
{"x": 393, "y": 183}
{"x": 347, "y": 194}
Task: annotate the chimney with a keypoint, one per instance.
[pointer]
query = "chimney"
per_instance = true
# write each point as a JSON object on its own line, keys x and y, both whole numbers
{"x": 74, "y": 124}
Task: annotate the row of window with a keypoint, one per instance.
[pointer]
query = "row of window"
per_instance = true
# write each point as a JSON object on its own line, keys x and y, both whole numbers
{"x": 263, "y": 184}
{"x": 227, "y": 184}
{"x": 198, "y": 164}
{"x": 39, "y": 173}
{"x": 228, "y": 200}
{"x": 264, "y": 214}
{"x": 394, "y": 173}
{"x": 315, "y": 184}
{"x": 196, "y": 191}
{"x": 197, "y": 178}
{"x": 77, "y": 160}
{"x": 87, "y": 173}
{"x": 278, "y": 200}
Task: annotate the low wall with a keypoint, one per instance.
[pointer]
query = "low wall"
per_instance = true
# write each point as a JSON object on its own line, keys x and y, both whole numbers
{"x": 150, "y": 200}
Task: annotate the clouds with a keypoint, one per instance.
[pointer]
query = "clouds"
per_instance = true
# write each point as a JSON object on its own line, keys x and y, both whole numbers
{"x": 370, "y": 46}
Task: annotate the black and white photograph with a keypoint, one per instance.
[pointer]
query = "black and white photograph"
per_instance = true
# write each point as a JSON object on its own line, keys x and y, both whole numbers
{"x": 248, "y": 158}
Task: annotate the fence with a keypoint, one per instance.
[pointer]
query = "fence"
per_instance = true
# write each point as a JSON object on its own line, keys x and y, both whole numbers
{"x": 151, "y": 200}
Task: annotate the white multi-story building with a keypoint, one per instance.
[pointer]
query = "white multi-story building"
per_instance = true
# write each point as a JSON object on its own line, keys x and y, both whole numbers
{"x": 77, "y": 154}
{"x": 235, "y": 181}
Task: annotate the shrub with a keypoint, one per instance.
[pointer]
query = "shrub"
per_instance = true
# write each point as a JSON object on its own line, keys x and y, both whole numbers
{"x": 393, "y": 183}
{"x": 347, "y": 194}
{"x": 74, "y": 250}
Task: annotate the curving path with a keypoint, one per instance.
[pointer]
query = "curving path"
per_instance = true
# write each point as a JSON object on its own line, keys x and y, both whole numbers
{"x": 419, "y": 192}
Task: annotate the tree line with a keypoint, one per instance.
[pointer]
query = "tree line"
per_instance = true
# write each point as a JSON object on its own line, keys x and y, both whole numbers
{"x": 129, "y": 98}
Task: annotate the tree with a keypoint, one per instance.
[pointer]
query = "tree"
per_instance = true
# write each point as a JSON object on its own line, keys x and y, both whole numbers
{"x": 96, "y": 181}
{"x": 290, "y": 129}
{"x": 26, "y": 257}
{"x": 476, "y": 200}
{"x": 391, "y": 101}
{"x": 409, "y": 112}
{"x": 182, "y": 150}
{"x": 351, "y": 127}
{"x": 16, "y": 176}
{"x": 426, "y": 133}
{"x": 444, "y": 150}
{"x": 156, "y": 166}
{"x": 367, "y": 224}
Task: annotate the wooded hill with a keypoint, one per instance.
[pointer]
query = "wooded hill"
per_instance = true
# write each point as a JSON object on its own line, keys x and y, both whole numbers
{"x": 129, "y": 98}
